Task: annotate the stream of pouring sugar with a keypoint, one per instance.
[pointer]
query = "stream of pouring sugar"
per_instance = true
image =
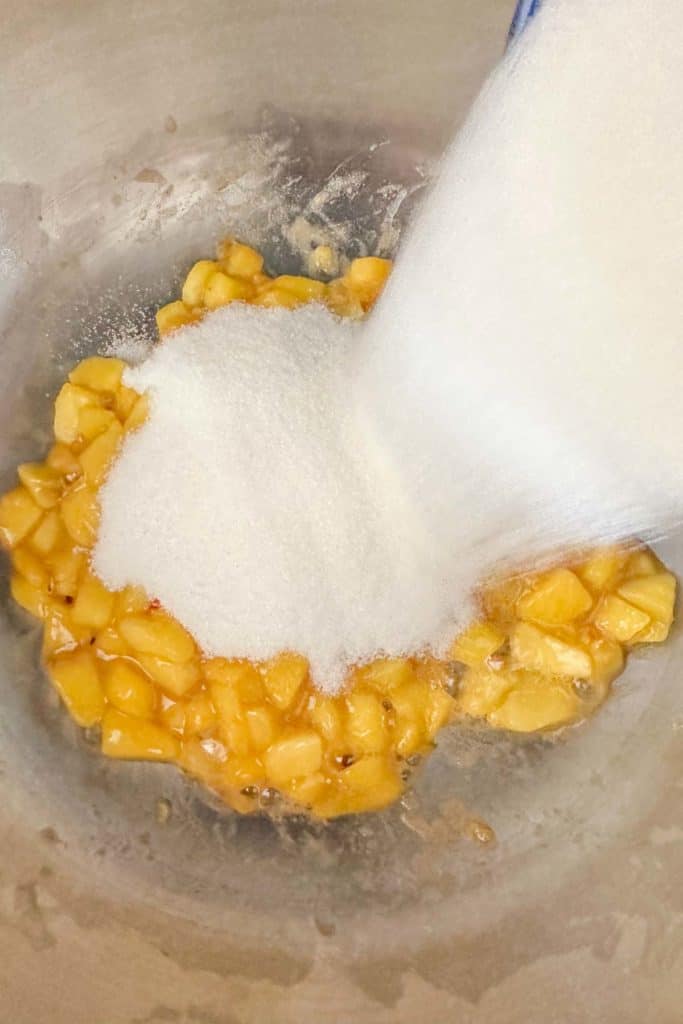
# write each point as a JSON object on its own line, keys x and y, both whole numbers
{"x": 524, "y": 365}
{"x": 340, "y": 490}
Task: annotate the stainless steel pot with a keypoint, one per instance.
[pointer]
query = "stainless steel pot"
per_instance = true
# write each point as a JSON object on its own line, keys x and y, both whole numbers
{"x": 132, "y": 136}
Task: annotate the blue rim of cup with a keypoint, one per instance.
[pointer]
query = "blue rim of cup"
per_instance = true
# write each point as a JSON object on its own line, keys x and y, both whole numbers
{"x": 524, "y": 12}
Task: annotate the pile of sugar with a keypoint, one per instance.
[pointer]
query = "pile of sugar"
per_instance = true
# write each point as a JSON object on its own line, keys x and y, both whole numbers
{"x": 249, "y": 505}
{"x": 339, "y": 490}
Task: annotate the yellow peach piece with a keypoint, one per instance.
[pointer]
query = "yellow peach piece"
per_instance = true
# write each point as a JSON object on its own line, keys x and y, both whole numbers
{"x": 99, "y": 373}
{"x": 81, "y": 514}
{"x": 602, "y": 569}
{"x": 654, "y": 633}
{"x": 35, "y": 600}
{"x": 283, "y": 677}
{"x": 655, "y": 595}
{"x": 239, "y": 674}
{"x": 262, "y": 727}
{"x": 555, "y": 598}
{"x": 49, "y": 533}
{"x": 94, "y": 420}
{"x": 440, "y": 709}
{"x": 58, "y": 632}
{"x": 481, "y": 690}
{"x": 385, "y": 674}
{"x": 294, "y": 756}
{"x": 619, "y": 619}
{"x": 68, "y": 405}
{"x": 136, "y": 738}
{"x": 239, "y": 260}
{"x": 94, "y": 604}
{"x": 174, "y": 315}
{"x": 19, "y": 514}
{"x": 196, "y": 281}
{"x": 157, "y": 634}
{"x": 43, "y": 483}
{"x": 128, "y": 689}
{"x": 76, "y": 678}
{"x": 370, "y": 783}
{"x": 221, "y": 289}
{"x": 325, "y": 716}
{"x": 125, "y": 400}
{"x": 199, "y": 716}
{"x": 31, "y": 567}
{"x": 176, "y": 678}
{"x": 66, "y": 566}
{"x": 64, "y": 460}
{"x": 98, "y": 456}
{"x": 533, "y": 648}
{"x": 366, "y": 725}
{"x": 476, "y": 644}
{"x": 367, "y": 276}
{"x": 536, "y": 703}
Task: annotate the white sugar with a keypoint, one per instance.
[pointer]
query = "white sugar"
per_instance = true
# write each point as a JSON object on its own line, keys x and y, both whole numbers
{"x": 250, "y": 508}
{"x": 339, "y": 490}
{"x": 524, "y": 365}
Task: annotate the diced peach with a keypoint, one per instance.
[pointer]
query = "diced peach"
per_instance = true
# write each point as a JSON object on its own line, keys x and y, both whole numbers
{"x": 618, "y": 619}
{"x": 136, "y": 738}
{"x": 43, "y": 483}
{"x": 32, "y": 568}
{"x": 293, "y": 757}
{"x": 48, "y": 534}
{"x": 64, "y": 460}
{"x": 366, "y": 725}
{"x": 476, "y": 644}
{"x": 240, "y": 260}
{"x": 284, "y": 676}
{"x": 94, "y": 604}
{"x": 325, "y": 715}
{"x": 439, "y": 710}
{"x": 68, "y": 404}
{"x": 174, "y": 315}
{"x": 370, "y": 783}
{"x": 481, "y": 690}
{"x": 237, "y": 673}
{"x": 33, "y": 599}
{"x": 196, "y": 281}
{"x": 602, "y": 569}
{"x": 128, "y": 689}
{"x": 536, "y": 703}
{"x": 66, "y": 567}
{"x": 533, "y": 648}
{"x": 19, "y": 514}
{"x": 655, "y": 595}
{"x": 157, "y": 634}
{"x": 385, "y": 674}
{"x": 125, "y": 402}
{"x": 81, "y": 515}
{"x": 262, "y": 727}
{"x": 94, "y": 420}
{"x": 76, "y": 678}
{"x": 555, "y": 598}
{"x": 200, "y": 715}
{"x": 98, "y": 456}
{"x": 176, "y": 678}
{"x": 222, "y": 289}
{"x": 99, "y": 373}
